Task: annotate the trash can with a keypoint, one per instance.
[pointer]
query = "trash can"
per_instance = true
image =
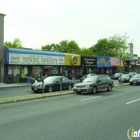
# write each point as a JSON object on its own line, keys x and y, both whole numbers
{"x": 28, "y": 79}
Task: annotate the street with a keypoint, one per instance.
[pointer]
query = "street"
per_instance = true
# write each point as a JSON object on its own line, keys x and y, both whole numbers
{"x": 21, "y": 91}
{"x": 102, "y": 116}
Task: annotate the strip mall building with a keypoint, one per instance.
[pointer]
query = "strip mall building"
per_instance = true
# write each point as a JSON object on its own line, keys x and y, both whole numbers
{"x": 20, "y": 64}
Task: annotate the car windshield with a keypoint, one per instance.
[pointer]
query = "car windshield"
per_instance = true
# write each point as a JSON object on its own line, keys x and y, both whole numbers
{"x": 136, "y": 76}
{"x": 91, "y": 79}
{"x": 49, "y": 79}
{"x": 125, "y": 75}
{"x": 90, "y": 75}
{"x": 117, "y": 73}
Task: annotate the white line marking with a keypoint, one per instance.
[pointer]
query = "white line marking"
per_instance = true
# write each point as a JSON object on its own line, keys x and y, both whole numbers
{"x": 132, "y": 101}
{"x": 90, "y": 98}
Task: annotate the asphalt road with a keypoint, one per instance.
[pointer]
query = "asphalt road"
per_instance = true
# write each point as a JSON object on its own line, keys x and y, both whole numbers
{"x": 19, "y": 91}
{"x": 103, "y": 116}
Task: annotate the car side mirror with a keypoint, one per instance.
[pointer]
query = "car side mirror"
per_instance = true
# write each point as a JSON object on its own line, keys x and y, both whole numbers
{"x": 98, "y": 81}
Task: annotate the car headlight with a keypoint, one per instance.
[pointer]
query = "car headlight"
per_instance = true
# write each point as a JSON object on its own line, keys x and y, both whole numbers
{"x": 88, "y": 86}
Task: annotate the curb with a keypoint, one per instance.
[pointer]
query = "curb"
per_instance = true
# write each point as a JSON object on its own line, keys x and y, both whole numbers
{"x": 39, "y": 96}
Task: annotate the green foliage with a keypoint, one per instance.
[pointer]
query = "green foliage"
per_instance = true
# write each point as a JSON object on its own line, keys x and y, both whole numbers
{"x": 138, "y": 58}
{"x": 119, "y": 45}
{"x": 103, "y": 48}
{"x": 126, "y": 57}
{"x": 114, "y": 46}
{"x": 64, "y": 46}
{"x": 120, "y": 68}
{"x": 15, "y": 44}
{"x": 86, "y": 51}
{"x": 49, "y": 47}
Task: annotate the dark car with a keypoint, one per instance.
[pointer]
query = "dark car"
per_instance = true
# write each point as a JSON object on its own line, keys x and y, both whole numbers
{"x": 125, "y": 78}
{"x": 132, "y": 74}
{"x": 93, "y": 84}
{"x": 53, "y": 83}
{"x": 117, "y": 75}
{"x": 135, "y": 80}
{"x": 88, "y": 75}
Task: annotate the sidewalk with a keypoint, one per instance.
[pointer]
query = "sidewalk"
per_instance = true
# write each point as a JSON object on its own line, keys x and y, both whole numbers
{"x": 5, "y": 85}
{"x": 35, "y": 96}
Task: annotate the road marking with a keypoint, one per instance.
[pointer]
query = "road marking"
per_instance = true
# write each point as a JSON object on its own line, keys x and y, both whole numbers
{"x": 133, "y": 101}
{"x": 90, "y": 98}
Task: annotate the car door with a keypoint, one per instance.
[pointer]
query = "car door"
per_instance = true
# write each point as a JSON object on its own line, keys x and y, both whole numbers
{"x": 65, "y": 82}
{"x": 57, "y": 84}
{"x": 105, "y": 81}
{"x": 100, "y": 83}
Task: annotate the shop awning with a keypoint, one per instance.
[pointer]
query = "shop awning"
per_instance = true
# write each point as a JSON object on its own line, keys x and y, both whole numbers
{"x": 115, "y": 62}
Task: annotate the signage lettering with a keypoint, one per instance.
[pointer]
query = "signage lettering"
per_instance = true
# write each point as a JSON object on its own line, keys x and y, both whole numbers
{"x": 31, "y": 59}
{"x": 89, "y": 62}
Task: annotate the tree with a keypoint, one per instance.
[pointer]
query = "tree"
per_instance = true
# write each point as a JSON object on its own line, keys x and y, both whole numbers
{"x": 86, "y": 51}
{"x": 120, "y": 47}
{"x": 64, "y": 46}
{"x": 103, "y": 48}
{"x": 73, "y": 47}
{"x": 51, "y": 47}
{"x": 15, "y": 44}
{"x": 113, "y": 46}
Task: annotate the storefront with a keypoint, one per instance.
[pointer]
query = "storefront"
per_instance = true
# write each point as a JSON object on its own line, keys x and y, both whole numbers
{"x": 88, "y": 65}
{"x": 115, "y": 63}
{"x": 132, "y": 65}
{"x": 126, "y": 67}
{"x": 72, "y": 63}
{"x": 20, "y": 64}
{"x": 138, "y": 66}
{"x": 103, "y": 64}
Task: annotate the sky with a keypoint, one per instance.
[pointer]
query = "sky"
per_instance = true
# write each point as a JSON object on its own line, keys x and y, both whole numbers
{"x": 40, "y": 22}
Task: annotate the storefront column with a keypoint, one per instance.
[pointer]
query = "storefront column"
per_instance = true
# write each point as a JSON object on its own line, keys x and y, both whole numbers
{"x": 2, "y": 47}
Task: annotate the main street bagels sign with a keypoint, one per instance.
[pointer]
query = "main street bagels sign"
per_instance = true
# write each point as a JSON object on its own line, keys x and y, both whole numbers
{"x": 30, "y": 59}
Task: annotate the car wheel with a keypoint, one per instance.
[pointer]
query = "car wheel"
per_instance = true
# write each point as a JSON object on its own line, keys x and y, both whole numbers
{"x": 50, "y": 89}
{"x": 109, "y": 88}
{"x": 130, "y": 84}
{"x": 94, "y": 90}
{"x": 69, "y": 87}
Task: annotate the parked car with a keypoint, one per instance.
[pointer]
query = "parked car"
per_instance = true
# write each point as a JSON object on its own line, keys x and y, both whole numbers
{"x": 133, "y": 73}
{"x": 88, "y": 75}
{"x": 124, "y": 78}
{"x": 117, "y": 75}
{"x": 93, "y": 84}
{"x": 52, "y": 83}
{"x": 135, "y": 80}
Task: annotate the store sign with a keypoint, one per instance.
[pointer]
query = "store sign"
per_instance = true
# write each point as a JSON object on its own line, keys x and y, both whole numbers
{"x": 103, "y": 61}
{"x": 88, "y": 61}
{"x": 115, "y": 61}
{"x": 31, "y": 59}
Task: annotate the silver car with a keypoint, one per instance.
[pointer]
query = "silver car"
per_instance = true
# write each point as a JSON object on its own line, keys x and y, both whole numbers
{"x": 94, "y": 84}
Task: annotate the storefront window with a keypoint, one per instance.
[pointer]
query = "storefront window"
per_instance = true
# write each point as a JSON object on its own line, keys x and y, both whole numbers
{"x": 37, "y": 71}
